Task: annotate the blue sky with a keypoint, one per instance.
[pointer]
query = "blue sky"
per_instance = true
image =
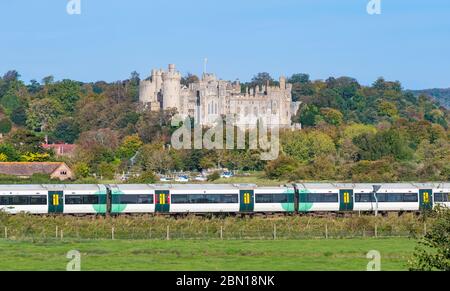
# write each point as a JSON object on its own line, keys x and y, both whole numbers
{"x": 409, "y": 41}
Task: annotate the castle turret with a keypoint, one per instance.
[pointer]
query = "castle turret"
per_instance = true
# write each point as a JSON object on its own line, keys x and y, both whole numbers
{"x": 283, "y": 83}
{"x": 171, "y": 88}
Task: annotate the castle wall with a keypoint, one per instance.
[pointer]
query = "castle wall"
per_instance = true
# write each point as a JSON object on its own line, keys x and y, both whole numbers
{"x": 210, "y": 98}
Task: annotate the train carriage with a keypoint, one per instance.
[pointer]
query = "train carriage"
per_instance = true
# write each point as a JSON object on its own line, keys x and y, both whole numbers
{"x": 207, "y": 198}
{"x": 15, "y": 199}
{"x": 132, "y": 199}
{"x": 318, "y": 197}
{"x": 275, "y": 199}
{"x": 396, "y": 197}
{"x": 441, "y": 194}
{"x": 79, "y": 199}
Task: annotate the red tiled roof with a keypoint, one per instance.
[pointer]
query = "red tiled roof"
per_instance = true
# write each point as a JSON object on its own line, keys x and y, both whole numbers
{"x": 28, "y": 169}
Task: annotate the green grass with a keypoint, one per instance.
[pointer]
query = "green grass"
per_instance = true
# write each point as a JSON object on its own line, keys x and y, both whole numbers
{"x": 346, "y": 254}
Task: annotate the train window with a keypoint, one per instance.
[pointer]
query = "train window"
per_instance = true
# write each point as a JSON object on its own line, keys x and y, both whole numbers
{"x": 321, "y": 198}
{"x": 364, "y": 197}
{"x": 441, "y": 197}
{"x": 272, "y": 198}
{"x": 82, "y": 200}
{"x": 38, "y": 200}
{"x": 204, "y": 198}
{"x": 135, "y": 199}
{"x": 74, "y": 200}
{"x": 20, "y": 200}
{"x": 90, "y": 199}
{"x": 23, "y": 200}
{"x": 410, "y": 197}
{"x": 397, "y": 197}
{"x": 4, "y": 200}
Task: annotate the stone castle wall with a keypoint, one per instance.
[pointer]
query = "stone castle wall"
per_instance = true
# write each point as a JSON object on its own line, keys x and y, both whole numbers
{"x": 210, "y": 98}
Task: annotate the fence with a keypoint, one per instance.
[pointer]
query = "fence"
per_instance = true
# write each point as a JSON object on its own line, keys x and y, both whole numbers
{"x": 169, "y": 232}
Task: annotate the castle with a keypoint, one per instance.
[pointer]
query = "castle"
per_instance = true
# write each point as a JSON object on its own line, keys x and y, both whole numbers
{"x": 209, "y": 99}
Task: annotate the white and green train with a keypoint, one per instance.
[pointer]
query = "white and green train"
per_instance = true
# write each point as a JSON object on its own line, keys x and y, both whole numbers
{"x": 211, "y": 198}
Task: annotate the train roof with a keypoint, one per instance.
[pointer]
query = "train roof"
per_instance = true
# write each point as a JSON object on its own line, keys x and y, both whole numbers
{"x": 50, "y": 187}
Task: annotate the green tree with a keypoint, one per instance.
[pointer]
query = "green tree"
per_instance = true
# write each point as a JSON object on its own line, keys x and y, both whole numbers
{"x": 129, "y": 147}
{"x": 66, "y": 130}
{"x": 5, "y": 125}
{"x": 82, "y": 170}
{"x": 43, "y": 114}
{"x": 332, "y": 116}
{"x": 282, "y": 168}
{"x": 433, "y": 252}
{"x": 19, "y": 116}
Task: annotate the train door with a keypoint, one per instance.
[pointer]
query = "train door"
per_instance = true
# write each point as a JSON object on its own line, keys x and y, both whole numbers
{"x": 55, "y": 202}
{"x": 346, "y": 200}
{"x": 247, "y": 200}
{"x": 426, "y": 199}
{"x": 162, "y": 201}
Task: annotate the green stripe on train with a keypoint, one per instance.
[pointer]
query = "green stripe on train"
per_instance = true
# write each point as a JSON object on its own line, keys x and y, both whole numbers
{"x": 304, "y": 206}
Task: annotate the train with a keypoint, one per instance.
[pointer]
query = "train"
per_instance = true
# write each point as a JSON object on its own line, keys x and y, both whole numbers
{"x": 112, "y": 199}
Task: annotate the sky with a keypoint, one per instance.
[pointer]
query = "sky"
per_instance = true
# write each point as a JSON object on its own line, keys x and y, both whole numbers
{"x": 409, "y": 41}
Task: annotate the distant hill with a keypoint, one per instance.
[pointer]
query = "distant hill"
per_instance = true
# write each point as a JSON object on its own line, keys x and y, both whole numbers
{"x": 441, "y": 95}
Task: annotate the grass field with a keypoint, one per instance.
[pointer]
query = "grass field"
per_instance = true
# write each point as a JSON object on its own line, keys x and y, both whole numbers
{"x": 183, "y": 255}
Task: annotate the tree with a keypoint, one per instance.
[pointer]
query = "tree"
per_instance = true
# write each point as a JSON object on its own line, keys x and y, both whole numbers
{"x": 189, "y": 79}
{"x": 433, "y": 252}
{"x": 130, "y": 145}
{"x": 5, "y": 125}
{"x": 299, "y": 78}
{"x": 43, "y": 114}
{"x": 11, "y": 76}
{"x": 10, "y": 101}
{"x": 81, "y": 170}
{"x": 387, "y": 143}
{"x": 19, "y": 116}
{"x": 332, "y": 116}
{"x": 306, "y": 146}
{"x": 144, "y": 178}
{"x": 9, "y": 151}
{"x": 106, "y": 170}
{"x": 25, "y": 141}
{"x": 35, "y": 157}
{"x": 261, "y": 79}
{"x": 48, "y": 80}
{"x": 66, "y": 92}
{"x": 66, "y": 130}
{"x": 283, "y": 167}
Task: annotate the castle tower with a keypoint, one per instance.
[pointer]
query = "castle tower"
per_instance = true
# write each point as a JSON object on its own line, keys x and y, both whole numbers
{"x": 283, "y": 83}
{"x": 171, "y": 88}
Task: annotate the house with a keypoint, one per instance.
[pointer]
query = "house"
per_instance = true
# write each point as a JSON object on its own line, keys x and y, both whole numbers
{"x": 57, "y": 170}
{"x": 60, "y": 149}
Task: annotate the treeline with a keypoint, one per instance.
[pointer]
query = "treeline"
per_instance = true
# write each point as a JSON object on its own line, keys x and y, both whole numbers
{"x": 351, "y": 132}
